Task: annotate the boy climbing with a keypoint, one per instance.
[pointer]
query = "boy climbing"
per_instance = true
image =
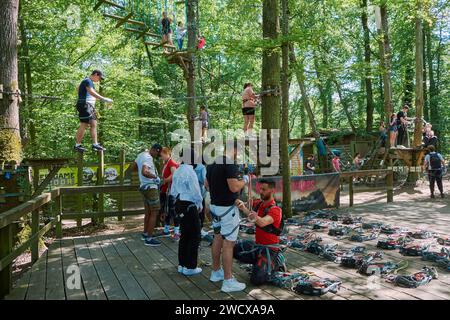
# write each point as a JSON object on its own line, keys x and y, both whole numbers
{"x": 204, "y": 119}
{"x": 86, "y": 110}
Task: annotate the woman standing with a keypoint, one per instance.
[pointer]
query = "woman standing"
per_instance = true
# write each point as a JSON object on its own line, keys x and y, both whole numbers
{"x": 167, "y": 201}
{"x": 186, "y": 190}
{"x": 248, "y": 108}
{"x": 393, "y": 130}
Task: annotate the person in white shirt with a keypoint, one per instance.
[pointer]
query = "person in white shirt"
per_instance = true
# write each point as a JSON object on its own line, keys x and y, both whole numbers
{"x": 186, "y": 190}
{"x": 181, "y": 32}
{"x": 149, "y": 188}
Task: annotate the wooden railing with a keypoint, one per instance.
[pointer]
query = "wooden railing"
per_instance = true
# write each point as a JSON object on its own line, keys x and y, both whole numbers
{"x": 7, "y": 251}
{"x": 348, "y": 176}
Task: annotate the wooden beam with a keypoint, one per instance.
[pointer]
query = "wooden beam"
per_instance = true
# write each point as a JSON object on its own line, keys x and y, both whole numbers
{"x": 97, "y": 189}
{"x": 124, "y": 20}
{"x": 364, "y": 173}
{"x": 156, "y": 45}
{"x": 54, "y": 170}
{"x": 74, "y": 215}
{"x": 6, "y": 245}
{"x": 143, "y": 32}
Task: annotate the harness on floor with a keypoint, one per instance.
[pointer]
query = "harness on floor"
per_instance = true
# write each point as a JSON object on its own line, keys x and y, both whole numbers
{"x": 288, "y": 279}
{"x": 372, "y": 225}
{"x": 392, "y": 243}
{"x": 357, "y": 260}
{"x": 421, "y": 234}
{"x": 315, "y": 286}
{"x": 435, "y": 256}
{"x": 415, "y": 280}
{"x": 339, "y": 231}
{"x": 393, "y": 230}
{"x": 381, "y": 268}
{"x": 413, "y": 250}
{"x": 361, "y": 237}
{"x": 443, "y": 241}
{"x": 351, "y": 220}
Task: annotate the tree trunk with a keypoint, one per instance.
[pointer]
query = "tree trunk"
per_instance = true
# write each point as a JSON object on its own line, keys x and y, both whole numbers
{"x": 385, "y": 59}
{"x": 344, "y": 103}
{"x": 322, "y": 95}
{"x": 419, "y": 77}
{"x": 284, "y": 136}
{"x": 367, "y": 69}
{"x": 432, "y": 92}
{"x": 409, "y": 85}
{"x": 192, "y": 44}
{"x": 426, "y": 101}
{"x": 10, "y": 143}
{"x": 270, "y": 113}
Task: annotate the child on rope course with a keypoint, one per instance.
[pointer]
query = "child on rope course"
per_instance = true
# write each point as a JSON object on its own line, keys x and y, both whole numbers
{"x": 86, "y": 110}
{"x": 166, "y": 30}
{"x": 204, "y": 119}
{"x": 248, "y": 108}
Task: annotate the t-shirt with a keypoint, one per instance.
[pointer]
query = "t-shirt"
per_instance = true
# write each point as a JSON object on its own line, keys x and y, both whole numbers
{"x": 200, "y": 171}
{"x": 144, "y": 158}
{"x": 166, "y": 25}
{"x": 427, "y": 158}
{"x": 83, "y": 94}
{"x": 217, "y": 175}
{"x": 180, "y": 33}
{"x": 201, "y": 43}
{"x": 166, "y": 173}
{"x": 336, "y": 164}
{"x": 247, "y": 98}
{"x": 261, "y": 236}
{"x": 400, "y": 115}
{"x": 204, "y": 116}
{"x": 430, "y": 141}
{"x": 311, "y": 164}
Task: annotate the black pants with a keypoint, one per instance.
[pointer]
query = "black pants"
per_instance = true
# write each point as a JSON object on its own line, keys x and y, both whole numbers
{"x": 190, "y": 234}
{"x": 402, "y": 136}
{"x": 435, "y": 176}
{"x": 202, "y": 214}
{"x": 168, "y": 204}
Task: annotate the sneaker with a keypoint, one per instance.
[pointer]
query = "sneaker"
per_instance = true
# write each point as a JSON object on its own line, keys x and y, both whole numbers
{"x": 144, "y": 236}
{"x": 79, "y": 148}
{"x": 203, "y": 233}
{"x": 191, "y": 272}
{"x": 176, "y": 237}
{"x": 432, "y": 196}
{"x": 97, "y": 147}
{"x": 152, "y": 242}
{"x": 180, "y": 269}
{"x": 232, "y": 285}
{"x": 216, "y": 276}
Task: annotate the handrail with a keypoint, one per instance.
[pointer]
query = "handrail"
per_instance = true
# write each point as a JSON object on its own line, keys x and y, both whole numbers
{"x": 7, "y": 218}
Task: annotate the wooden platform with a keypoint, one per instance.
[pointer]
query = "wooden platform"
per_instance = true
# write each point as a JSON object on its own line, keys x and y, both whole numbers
{"x": 121, "y": 267}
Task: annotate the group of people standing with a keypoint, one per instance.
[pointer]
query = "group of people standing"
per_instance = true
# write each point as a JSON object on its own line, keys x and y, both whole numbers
{"x": 179, "y": 195}
{"x": 181, "y": 31}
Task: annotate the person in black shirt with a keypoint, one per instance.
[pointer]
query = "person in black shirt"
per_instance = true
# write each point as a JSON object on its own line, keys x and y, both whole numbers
{"x": 430, "y": 140}
{"x": 222, "y": 180}
{"x": 310, "y": 165}
{"x": 86, "y": 110}
{"x": 402, "y": 123}
{"x": 166, "y": 30}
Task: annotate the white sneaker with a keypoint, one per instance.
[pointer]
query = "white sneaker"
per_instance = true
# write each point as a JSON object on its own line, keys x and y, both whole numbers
{"x": 232, "y": 285}
{"x": 216, "y": 276}
{"x": 191, "y": 272}
{"x": 203, "y": 233}
{"x": 180, "y": 269}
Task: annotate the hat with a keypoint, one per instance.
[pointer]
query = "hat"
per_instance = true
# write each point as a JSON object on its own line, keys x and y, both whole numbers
{"x": 157, "y": 147}
{"x": 98, "y": 72}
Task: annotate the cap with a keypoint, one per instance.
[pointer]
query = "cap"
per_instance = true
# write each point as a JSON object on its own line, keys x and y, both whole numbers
{"x": 98, "y": 72}
{"x": 157, "y": 147}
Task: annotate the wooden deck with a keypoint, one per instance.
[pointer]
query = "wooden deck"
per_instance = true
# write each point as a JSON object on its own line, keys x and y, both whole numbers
{"x": 120, "y": 267}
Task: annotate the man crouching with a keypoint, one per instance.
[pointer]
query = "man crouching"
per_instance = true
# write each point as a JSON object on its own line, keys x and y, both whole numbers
{"x": 264, "y": 253}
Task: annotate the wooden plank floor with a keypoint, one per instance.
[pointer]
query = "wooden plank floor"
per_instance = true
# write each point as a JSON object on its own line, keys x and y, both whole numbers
{"x": 119, "y": 267}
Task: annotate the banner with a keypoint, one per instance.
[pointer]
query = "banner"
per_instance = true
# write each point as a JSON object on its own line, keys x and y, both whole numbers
{"x": 308, "y": 192}
{"x": 68, "y": 176}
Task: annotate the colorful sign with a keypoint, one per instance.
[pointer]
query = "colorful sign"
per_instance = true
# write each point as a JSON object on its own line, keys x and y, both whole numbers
{"x": 308, "y": 192}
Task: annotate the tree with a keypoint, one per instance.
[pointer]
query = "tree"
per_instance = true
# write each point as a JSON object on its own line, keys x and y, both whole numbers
{"x": 285, "y": 165}
{"x": 10, "y": 143}
{"x": 419, "y": 76}
{"x": 367, "y": 68}
{"x": 192, "y": 45}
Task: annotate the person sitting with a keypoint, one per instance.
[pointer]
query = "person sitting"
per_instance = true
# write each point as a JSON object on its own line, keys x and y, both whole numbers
{"x": 310, "y": 165}
{"x": 269, "y": 225}
{"x": 357, "y": 162}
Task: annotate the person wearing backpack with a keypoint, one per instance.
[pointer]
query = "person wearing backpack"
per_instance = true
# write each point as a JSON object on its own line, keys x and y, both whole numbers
{"x": 434, "y": 164}
{"x": 269, "y": 226}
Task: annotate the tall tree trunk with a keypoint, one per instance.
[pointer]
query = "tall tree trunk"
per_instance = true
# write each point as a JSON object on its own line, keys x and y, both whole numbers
{"x": 344, "y": 103}
{"x": 192, "y": 44}
{"x": 270, "y": 114}
{"x": 432, "y": 92}
{"x": 385, "y": 59}
{"x": 284, "y": 136}
{"x": 419, "y": 77}
{"x": 10, "y": 143}
{"x": 322, "y": 94}
{"x": 408, "y": 85}
{"x": 367, "y": 68}
{"x": 426, "y": 101}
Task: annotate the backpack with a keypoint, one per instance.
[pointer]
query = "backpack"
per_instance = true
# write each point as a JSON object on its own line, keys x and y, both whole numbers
{"x": 270, "y": 228}
{"x": 268, "y": 262}
{"x": 246, "y": 251}
{"x": 435, "y": 161}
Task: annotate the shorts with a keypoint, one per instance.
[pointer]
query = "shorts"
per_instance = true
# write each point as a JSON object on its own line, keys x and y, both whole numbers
{"x": 86, "y": 112}
{"x": 248, "y": 111}
{"x": 151, "y": 196}
{"x": 228, "y": 225}
{"x": 393, "y": 128}
{"x": 204, "y": 124}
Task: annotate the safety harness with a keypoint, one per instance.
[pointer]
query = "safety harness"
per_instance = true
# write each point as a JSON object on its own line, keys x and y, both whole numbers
{"x": 270, "y": 228}
{"x": 413, "y": 249}
{"x": 381, "y": 268}
{"x": 415, "y": 280}
{"x": 315, "y": 286}
{"x": 443, "y": 241}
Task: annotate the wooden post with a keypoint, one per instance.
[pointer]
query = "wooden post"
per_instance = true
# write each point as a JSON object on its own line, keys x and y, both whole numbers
{"x": 100, "y": 181}
{"x": 390, "y": 183}
{"x": 6, "y": 244}
{"x": 80, "y": 206}
{"x": 350, "y": 190}
{"x": 121, "y": 180}
{"x": 58, "y": 217}
{"x": 35, "y": 220}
